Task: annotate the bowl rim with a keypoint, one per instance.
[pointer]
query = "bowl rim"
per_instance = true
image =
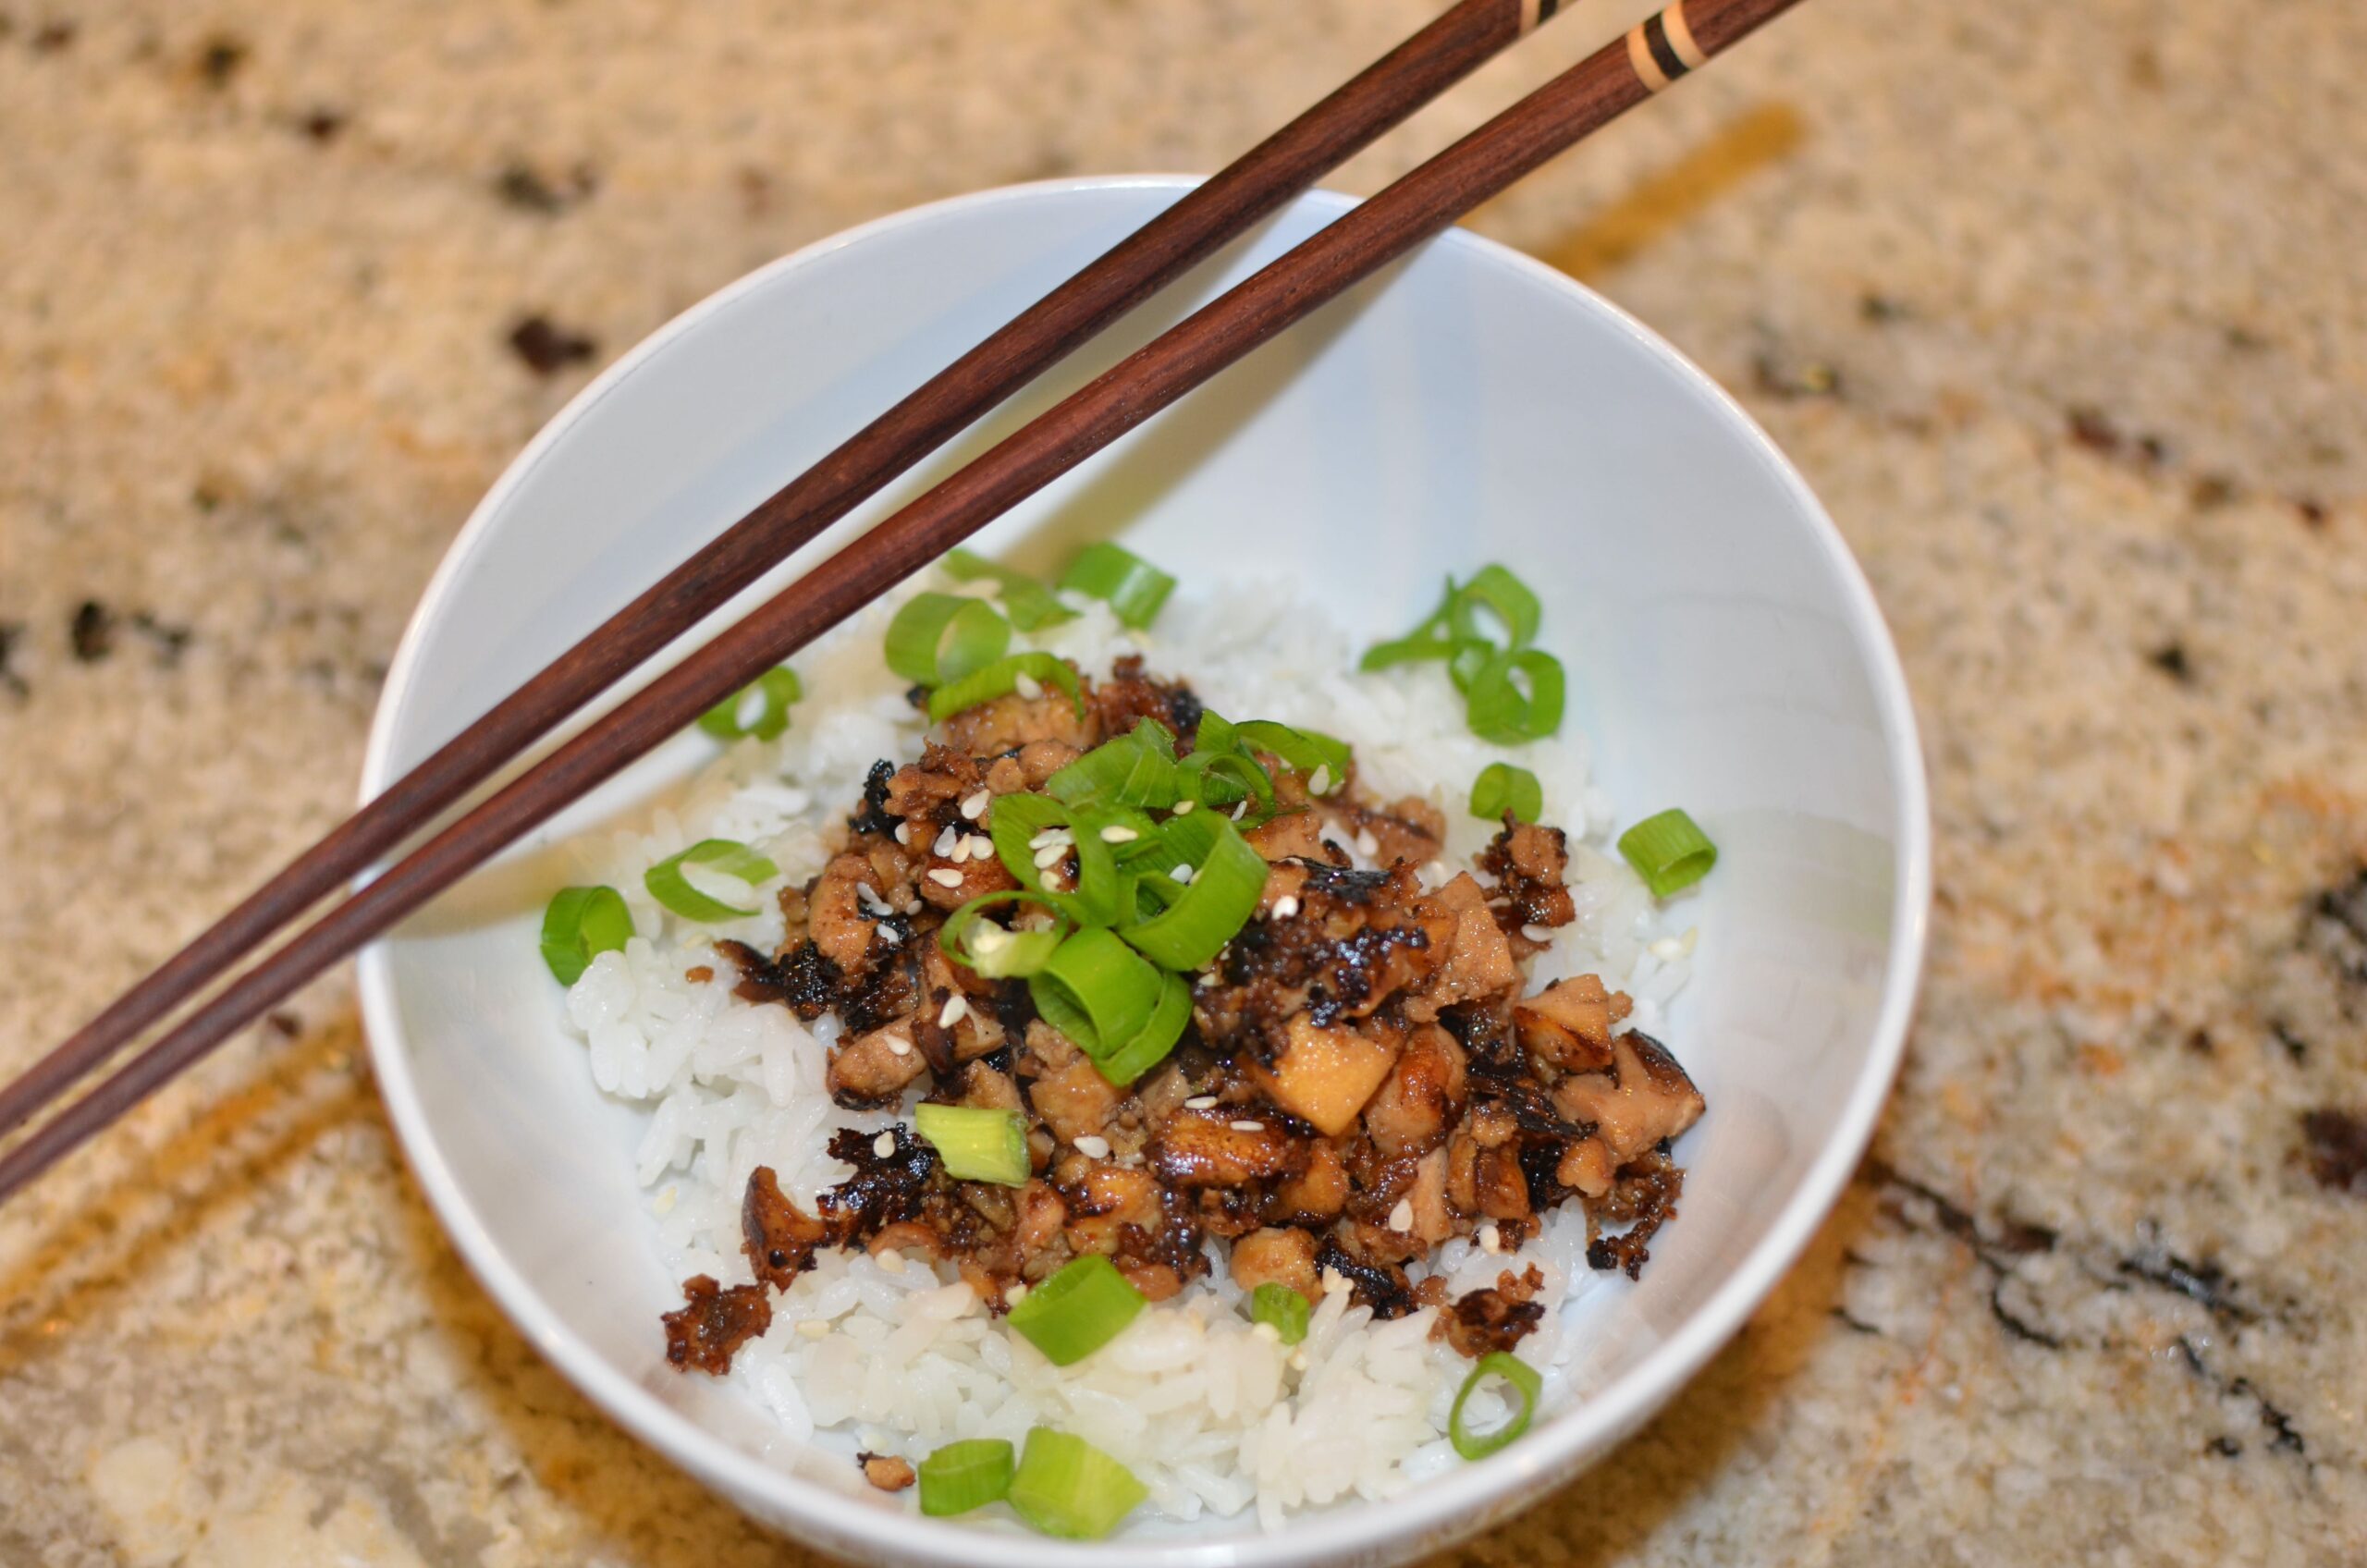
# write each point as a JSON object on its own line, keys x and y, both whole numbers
{"x": 1443, "y": 1506}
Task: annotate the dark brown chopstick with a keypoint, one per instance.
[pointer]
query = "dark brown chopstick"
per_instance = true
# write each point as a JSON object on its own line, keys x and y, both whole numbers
{"x": 1163, "y": 249}
{"x": 1598, "y": 90}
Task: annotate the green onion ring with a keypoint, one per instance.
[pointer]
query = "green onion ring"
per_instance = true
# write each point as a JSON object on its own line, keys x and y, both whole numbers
{"x": 1065, "y": 1487}
{"x": 1522, "y": 1377}
{"x": 963, "y": 1476}
{"x": 1077, "y": 1310}
{"x": 938, "y": 638}
{"x": 1098, "y": 991}
{"x": 669, "y": 887}
{"x": 1497, "y": 590}
{"x": 1000, "y": 679}
{"x": 1134, "y": 588}
{"x": 780, "y": 688}
{"x": 1501, "y": 713}
{"x": 1669, "y": 851}
{"x": 1503, "y": 788}
{"x": 1006, "y": 954}
{"x": 1029, "y": 604}
{"x": 975, "y": 1143}
{"x": 1284, "y": 1307}
{"x": 1227, "y": 877}
{"x": 581, "y": 925}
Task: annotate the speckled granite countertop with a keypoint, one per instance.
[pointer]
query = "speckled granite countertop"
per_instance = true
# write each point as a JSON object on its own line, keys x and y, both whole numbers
{"x": 2060, "y": 307}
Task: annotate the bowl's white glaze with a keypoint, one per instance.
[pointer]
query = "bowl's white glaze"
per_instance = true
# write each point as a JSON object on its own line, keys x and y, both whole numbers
{"x": 1470, "y": 404}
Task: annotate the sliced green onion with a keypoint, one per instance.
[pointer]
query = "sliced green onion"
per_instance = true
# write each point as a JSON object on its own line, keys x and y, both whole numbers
{"x": 1134, "y": 588}
{"x": 1227, "y": 878}
{"x": 999, "y": 680}
{"x": 1019, "y": 819}
{"x": 581, "y": 925}
{"x": 778, "y": 688}
{"x": 938, "y": 638}
{"x": 975, "y": 1143}
{"x": 1135, "y": 769}
{"x": 1434, "y": 639}
{"x": 963, "y": 1476}
{"x": 1669, "y": 851}
{"x": 1029, "y": 604}
{"x": 1306, "y": 750}
{"x": 1500, "y": 712}
{"x": 994, "y": 951}
{"x": 1503, "y": 788}
{"x": 1066, "y": 1487}
{"x": 1098, "y": 991}
{"x": 1155, "y": 1039}
{"x": 669, "y": 886}
{"x": 1284, "y": 1307}
{"x": 1512, "y": 1370}
{"x": 1510, "y": 599}
{"x": 1076, "y": 1311}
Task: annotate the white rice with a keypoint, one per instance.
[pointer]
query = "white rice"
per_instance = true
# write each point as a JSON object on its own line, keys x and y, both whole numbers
{"x": 1212, "y": 1415}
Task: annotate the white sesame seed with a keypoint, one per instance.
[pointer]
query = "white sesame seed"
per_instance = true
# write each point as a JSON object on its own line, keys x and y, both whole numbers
{"x": 1541, "y": 935}
{"x": 1117, "y": 833}
{"x": 974, "y": 805}
{"x": 884, "y": 1145}
{"x": 1016, "y": 1294}
{"x": 899, "y": 1046}
{"x": 1246, "y": 1125}
{"x": 1050, "y": 855}
{"x": 945, "y": 876}
{"x": 980, "y": 846}
{"x": 1267, "y": 1332}
{"x": 1052, "y": 836}
{"x": 1201, "y": 1102}
{"x": 1182, "y": 874}
{"x": 1286, "y": 906}
{"x": 1027, "y": 686}
{"x": 1367, "y": 845}
{"x": 1241, "y": 811}
{"x": 1335, "y": 1283}
{"x": 889, "y": 936}
{"x": 1320, "y": 779}
{"x": 868, "y": 897}
{"x": 945, "y": 842}
{"x": 891, "y": 1260}
{"x": 903, "y": 836}
{"x": 1298, "y": 1360}
{"x": 1093, "y": 1147}
{"x": 814, "y": 1328}
{"x": 1491, "y": 1239}
{"x": 955, "y": 1010}
{"x": 1401, "y": 1219}
{"x": 1183, "y": 808}
{"x": 990, "y": 938}
{"x": 911, "y": 906}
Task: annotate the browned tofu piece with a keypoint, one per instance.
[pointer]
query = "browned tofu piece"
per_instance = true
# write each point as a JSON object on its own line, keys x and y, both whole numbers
{"x": 1219, "y": 1149}
{"x": 1325, "y": 1076}
{"x": 871, "y": 1070}
{"x": 1646, "y": 1098}
{"x": 1316, "y": 1193}
{"x": 1013, "y": 722}
{"x": 1421, "y": 1097}
{"x": 1277, "y": 1257}
{"x": 1296, "y": 835}
{"x": 1076, "y": 1101}
{"x": 1568, "y": 1023}
{"x": 886, "y": 1471}
{"x": 1480, "y": 962}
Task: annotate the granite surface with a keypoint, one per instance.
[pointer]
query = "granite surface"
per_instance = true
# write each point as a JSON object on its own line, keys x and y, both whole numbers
{"x": 2060, "y": 308}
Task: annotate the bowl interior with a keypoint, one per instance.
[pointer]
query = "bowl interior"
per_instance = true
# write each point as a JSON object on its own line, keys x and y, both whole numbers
{"x": 1467, "y": 406}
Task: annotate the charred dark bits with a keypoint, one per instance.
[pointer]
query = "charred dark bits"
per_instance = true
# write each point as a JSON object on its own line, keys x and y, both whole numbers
{"x": 1379, "y": 1286}
{"x": 806, "y": 981}
{"x": 1643, "y": 1198}
{"x": 91, "y": 634}
{"x": 713, "y": 1323}
{"x": 777, "y": 1236}
{"x": 874, "y": 818}
{"x": 885, "y": 1188}
{"x": 1496, "y": 1318}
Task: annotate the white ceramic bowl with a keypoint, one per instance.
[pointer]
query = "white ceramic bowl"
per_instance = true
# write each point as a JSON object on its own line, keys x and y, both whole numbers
{"x": 1468, "y": 405}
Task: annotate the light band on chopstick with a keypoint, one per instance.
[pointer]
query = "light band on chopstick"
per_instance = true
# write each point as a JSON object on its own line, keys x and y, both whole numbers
{"x": 1653, "y": 48}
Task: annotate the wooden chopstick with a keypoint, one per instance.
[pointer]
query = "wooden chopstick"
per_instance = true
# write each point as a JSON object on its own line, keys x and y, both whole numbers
{"x": 1606, "y": 84}
{"x": 1197, "y": 225}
